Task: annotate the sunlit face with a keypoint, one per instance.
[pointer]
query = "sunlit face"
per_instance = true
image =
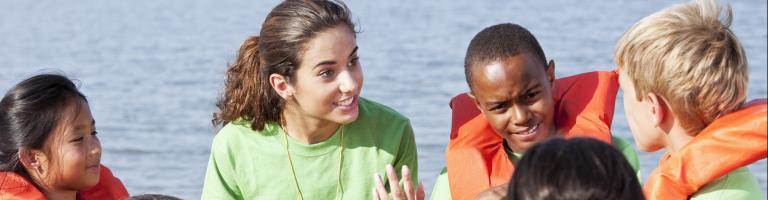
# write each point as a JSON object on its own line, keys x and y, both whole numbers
{"x": 639, "y": 118}
{"x": 515, "y": 95}
{"x": 329, "y": 79}
{"x": 75, "y": 149}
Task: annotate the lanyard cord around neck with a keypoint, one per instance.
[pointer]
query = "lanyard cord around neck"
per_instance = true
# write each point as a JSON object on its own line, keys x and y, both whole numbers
{"x": 293, "y": 171}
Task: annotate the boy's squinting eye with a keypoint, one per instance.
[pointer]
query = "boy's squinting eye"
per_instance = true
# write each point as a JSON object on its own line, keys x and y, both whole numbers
{"x": 531, "y": 95}
{"x": 498, "y": 106}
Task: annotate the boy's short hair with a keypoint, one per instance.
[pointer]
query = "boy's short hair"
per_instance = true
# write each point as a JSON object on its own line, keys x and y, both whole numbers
{"x": 499, "y": 42}
{"x": 691, "y": 58}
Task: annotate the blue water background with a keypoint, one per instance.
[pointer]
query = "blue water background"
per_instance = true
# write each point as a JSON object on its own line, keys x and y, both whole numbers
{"x": 153, "y": 69}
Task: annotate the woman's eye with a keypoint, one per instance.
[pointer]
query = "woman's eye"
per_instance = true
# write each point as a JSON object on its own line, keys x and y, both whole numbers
{"x": 354, "y": 61}
{"x": 326, "y": 73}
{"x": 94, "y": 132}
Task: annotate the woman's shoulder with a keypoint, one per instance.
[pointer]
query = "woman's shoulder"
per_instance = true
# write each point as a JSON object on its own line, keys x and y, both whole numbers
{"x": 240, "y": 131}
{"x": 370, "y": 109}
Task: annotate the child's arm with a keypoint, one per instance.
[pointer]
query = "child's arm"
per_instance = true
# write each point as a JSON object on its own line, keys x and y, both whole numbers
{"x": 730, "y": 142}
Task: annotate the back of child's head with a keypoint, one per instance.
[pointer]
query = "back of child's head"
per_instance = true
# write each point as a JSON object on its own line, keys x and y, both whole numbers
{"x": 29, "y": 113}
{"x": 497, "y": 43}
{"x": 153, "y": 197}
{"x": 579, "y": 168}
{"x": 689, "y": 56}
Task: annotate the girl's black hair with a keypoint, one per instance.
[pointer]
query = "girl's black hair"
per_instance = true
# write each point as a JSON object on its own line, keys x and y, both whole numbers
{"x": 579, "y": 168}
{"x": 29, "y": 113}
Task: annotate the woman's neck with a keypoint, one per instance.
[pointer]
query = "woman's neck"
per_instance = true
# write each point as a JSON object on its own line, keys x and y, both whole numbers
{"x": 307, "y": 129}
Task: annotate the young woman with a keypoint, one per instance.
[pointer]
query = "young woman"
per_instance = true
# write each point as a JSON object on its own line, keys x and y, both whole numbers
{"x": 295, "y": 126}
{"x": 48, "y": 144}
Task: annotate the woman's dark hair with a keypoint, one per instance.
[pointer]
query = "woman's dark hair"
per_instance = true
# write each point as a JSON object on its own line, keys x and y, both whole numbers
{"x": 579, "y": 168}
{"x": 29, "y": 113}
{"x": 248, "y": 94}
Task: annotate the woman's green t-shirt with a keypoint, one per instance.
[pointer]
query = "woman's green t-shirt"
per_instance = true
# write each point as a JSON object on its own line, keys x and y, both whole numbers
{"x": 247, "y": 164}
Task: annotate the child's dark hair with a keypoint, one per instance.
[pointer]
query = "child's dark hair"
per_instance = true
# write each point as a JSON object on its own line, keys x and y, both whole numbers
{"x": 153, "y": 197}
{"x": 499, "y": 42}
{"x": 579, "y": 168}
{"x": 29, "y": 113}
{"x": 277, "y": 50}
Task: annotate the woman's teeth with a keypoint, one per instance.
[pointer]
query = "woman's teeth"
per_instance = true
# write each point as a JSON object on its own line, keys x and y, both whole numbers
{"x": 346, "y": 102}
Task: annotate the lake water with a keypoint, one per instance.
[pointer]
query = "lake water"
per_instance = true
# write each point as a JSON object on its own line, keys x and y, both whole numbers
{"x": 153, "y": 69}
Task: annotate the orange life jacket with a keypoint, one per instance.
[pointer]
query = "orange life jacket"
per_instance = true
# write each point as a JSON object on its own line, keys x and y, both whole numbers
{"x": 732, "y": 141}
{"x": 475, "y": 156}
{"x": 16, "y": 187}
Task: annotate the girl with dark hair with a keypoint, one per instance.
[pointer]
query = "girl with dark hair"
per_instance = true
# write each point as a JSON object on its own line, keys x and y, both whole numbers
{"x": 48, "y": 144}
{"x": 578, "y": 168}
{"x": 294, "y": 125}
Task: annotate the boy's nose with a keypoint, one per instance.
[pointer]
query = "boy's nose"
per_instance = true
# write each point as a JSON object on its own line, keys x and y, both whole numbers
{"x": 519, "y": 115}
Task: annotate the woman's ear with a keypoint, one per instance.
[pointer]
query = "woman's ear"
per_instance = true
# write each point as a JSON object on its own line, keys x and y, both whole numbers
{"x": 551, "y": 72}
{"x": 280, "y": 84}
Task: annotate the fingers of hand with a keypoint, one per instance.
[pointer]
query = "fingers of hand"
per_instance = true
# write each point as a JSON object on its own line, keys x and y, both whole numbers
{"x": 380, "y": 190}
{"x": 394, "y": 184}
{"x": 407, "y": 183}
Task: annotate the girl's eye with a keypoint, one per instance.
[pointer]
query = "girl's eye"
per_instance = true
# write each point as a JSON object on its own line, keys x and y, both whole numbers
{"x": 78, "y": 139}
{"x": 94, "y": 132}
{"x": 326, "y": 73}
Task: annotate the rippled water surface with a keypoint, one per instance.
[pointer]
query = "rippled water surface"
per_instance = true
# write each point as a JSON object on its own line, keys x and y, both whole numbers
{"x": 153, "y": 69}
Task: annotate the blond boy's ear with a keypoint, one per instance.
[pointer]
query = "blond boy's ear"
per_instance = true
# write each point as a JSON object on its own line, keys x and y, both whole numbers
{"x": 659, "y": 109}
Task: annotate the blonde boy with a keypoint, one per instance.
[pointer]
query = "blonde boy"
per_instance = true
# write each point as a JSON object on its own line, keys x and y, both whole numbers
{"x": 681, "y": 69}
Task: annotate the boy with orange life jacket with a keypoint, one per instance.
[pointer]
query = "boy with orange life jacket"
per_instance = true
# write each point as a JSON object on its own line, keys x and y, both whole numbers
{"x": 520, "y": 103}
{"x": 684, "y": 76}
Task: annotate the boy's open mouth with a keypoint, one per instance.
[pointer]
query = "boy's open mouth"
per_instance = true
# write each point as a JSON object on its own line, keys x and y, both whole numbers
{"x": 528, "y": 134}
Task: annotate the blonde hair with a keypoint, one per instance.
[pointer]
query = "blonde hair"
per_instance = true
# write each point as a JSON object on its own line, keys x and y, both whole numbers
{"x": 687, "y": 55}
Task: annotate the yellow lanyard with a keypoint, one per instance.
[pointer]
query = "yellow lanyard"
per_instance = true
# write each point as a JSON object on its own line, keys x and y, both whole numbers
{"x": 293, "y": 171}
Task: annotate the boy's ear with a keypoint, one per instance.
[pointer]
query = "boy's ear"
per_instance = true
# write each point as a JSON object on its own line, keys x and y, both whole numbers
{"x": 281, "y": 86}
{"x": 659, "y": 109}
{"x": 551, "y": 72}
{"x": 474, "y": 99}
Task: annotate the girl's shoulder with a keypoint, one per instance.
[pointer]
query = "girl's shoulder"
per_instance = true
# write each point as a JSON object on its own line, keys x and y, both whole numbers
{"x": 239, "y": 132}
{"x": 371, "y": 110}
